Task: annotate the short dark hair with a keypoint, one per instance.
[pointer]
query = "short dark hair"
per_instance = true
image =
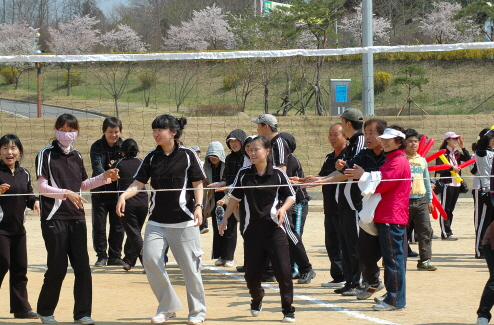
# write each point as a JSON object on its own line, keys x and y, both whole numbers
{"x": 112, "y": 122}
{"x": 69, "y": 119}
{"x": 380, "y": 124}
{"x": 273, "y": 129}
{"x": 8, "y": 138}
{"x": 356, "y": 125}
{"x": 130, "y": 148}
{"x": 167, "y": 121}
{"x": 401, "y": 141}
{"x": 246, "y": 142}
{"x": 411, "y": 133}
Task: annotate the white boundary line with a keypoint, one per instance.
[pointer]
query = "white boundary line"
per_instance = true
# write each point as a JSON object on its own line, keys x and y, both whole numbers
{"x": 310, "y": 299}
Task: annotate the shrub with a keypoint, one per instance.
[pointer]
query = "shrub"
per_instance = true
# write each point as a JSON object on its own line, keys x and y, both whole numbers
{"x": 215, "y": 110}
{"x": 297, "y": 82}
{"x": 147, "y": 79}
{"x": 230, "y": 81}
{"x": 75, "y": 78}
{"x": 381, "y": 81}
{"x": 9, "y": 74}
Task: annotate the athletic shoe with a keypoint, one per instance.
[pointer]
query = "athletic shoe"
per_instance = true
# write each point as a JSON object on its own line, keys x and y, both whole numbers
{"x": 380, "y": 298}
{"x": 26, "y": 315}
{"x": 115, "y": 261}
{"x": 382, "y": 306}
{"x": 241, "y": 268}
{"x": 450, "y": 237}
{"x": 482, "y": 321}
{"x": 333, "y": 284}
{"x": 426, "y": 265}
{"x": 219, "y": 262}
{"x": 305, "y": 278}
{"x": 268, "y": 278}
{"x": 434, "y": 237}
{"x": 162, "y": 317}
{"x": 255, "y": 308}
{"x": 48, "y": 319}
{"x": 413, "y": 254}
{"x": 86, "y": 320}
{"x": 195, "y": 321}
{"x": 289, "y": 318}
{"x": 229, "y": 263}
{"x": 204, "y": 231}
{"x": 352, "y": 292}
{"x": 369, "y": 290}
{"x": 346, "y": 287}
{"x": 101, "y": 262}
{"x": 127, "y": 267}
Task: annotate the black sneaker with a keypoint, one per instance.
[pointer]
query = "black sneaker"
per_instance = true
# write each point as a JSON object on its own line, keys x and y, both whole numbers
{"x": 345, "y": 288}
{"x": 26, "y": 315}
{"x": 101, "y": 262}
{"x": 115, "y": 261}
{"x": 268, "y": 278}
{"x": 255, "y": 308}
{"x": 305, "y": 278}
{"x": 289, "y": 318}
{"x": 241, "y": 269}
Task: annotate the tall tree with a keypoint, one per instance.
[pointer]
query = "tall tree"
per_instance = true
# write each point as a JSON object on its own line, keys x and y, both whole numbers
{"x": 480, "y": 12}
{"x": 74, "y": 37}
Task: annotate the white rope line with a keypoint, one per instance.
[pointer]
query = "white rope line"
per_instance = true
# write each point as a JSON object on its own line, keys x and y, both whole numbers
{"x": 244, "y": 54}
{"x": 227, "y": 188}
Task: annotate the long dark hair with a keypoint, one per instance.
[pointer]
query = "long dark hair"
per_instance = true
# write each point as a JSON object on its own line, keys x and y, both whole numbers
{"x": 166, "y": 121}
{"x": 130, "y": 148}
{"x": 68, "y": 119}
{"x": 8, "y": 138}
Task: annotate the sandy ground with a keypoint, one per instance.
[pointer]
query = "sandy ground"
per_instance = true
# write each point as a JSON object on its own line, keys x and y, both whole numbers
{"x": 449, "y": 295}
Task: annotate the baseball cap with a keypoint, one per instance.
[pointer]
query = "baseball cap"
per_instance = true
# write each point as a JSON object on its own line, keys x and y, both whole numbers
{"x": 267, "y": 119}
{"x": 391, "y": 133}
{"x": 451, "y": 135}
{"x": 352, "y": 114}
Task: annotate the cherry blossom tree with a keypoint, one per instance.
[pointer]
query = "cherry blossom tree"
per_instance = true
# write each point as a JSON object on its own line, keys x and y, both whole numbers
{"x": 352, "y": 24}
{"x": 74, "y": 37}
{"x": 443, "y": 28}
{"x": 114, "y": 76}
{"x": 208, "y": 28}
{"x": 17, "y": 39}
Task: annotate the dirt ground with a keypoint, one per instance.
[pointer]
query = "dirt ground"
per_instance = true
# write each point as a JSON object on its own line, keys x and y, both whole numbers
{"x": 449, "y": 295}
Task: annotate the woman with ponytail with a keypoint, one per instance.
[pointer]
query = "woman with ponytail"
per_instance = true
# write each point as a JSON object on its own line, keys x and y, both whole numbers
{"x": 174, "y": 218}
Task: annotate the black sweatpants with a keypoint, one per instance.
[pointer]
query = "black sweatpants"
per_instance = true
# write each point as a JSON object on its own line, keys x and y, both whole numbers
{"x": 100, "y": 210}
{"x": 13, "y": 258}
{"x": 298, "y": 253}
{"x": 224, "y": 246}
{"x": 132, "y": 221}
{"x": 487, "y": 300}
{"x": 66, "y": 238}
{"x": 274, "y": 246}
{"x": 482, "y": 217}
{"x": 332, "y": 241}
{"x": 349, "y": 237}
{"x": 449, "y": 197}
{"x": 369, "y": 254}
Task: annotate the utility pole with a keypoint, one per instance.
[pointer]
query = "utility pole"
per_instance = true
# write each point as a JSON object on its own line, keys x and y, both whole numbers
{"x": 367, "y": 60}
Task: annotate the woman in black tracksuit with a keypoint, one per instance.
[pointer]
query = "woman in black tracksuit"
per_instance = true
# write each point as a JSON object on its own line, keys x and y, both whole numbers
{"x": 266, "y": 226}
{"x": 137, "y": 206}
{"x": 449, "y": 196}
{"x": 15, "y": 179}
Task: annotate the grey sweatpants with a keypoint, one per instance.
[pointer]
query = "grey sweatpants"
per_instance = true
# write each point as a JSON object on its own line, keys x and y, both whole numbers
{"x": 185, "y": 244}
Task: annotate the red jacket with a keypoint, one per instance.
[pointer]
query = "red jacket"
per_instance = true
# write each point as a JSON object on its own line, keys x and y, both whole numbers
{"x": 393, "y": 207}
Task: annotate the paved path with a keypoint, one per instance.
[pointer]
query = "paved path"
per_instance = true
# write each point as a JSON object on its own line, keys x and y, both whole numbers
{"x": 29, "y": 110}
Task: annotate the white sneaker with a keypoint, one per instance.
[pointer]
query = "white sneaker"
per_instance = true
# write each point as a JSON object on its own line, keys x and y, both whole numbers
{"x": 162, "y": 317}
{"x": 482, "y": 321}
{"x": 382, "y": 306}
{"x": 195, "y": 321}
{"x": 289, "y": 318}
{"x": 48, "y": 319}
{"x": 86, "y": 320}
{"x": 333, "y": 284}
{"x": 219, "y": 262}
{"x": 229, "y": 263}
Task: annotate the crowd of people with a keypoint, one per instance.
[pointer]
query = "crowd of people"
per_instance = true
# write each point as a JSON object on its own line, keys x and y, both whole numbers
{"x": 377, "y": 197}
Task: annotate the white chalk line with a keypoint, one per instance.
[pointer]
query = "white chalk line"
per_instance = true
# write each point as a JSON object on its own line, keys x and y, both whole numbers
{"x": 318, "y": 302}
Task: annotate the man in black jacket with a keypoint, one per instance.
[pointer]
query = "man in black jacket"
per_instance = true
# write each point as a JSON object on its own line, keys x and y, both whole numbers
{"x": 104, "y": 153}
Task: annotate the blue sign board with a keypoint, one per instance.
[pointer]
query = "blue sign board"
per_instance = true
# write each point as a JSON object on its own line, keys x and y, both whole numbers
{"x": 341, "y": 93}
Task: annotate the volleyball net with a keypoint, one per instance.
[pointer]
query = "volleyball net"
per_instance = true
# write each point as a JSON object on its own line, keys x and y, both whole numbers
{"x": 435, "y": 88}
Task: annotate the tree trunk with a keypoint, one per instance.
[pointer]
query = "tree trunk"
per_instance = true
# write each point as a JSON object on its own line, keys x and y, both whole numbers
{"x": 69, "y": 79}
{"x": 116, "y": 107}
{"x": 266, "y": 99}
{"x": 319, "y": 107}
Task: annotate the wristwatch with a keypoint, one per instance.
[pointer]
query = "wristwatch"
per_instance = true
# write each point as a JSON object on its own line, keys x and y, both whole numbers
{"x": 199, "y": 205}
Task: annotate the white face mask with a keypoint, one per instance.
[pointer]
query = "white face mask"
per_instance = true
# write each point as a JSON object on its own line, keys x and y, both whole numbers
{"x": 65, "y": 138}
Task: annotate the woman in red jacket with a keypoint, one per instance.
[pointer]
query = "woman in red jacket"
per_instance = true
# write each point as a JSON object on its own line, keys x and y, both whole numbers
{"x": 391, "y": 216}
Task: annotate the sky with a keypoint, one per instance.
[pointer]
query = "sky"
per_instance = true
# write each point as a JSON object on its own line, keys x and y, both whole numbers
{"x": 107, "y": 5}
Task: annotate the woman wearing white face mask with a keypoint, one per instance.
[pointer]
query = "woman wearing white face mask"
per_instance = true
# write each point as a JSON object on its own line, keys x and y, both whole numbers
{"x": 61, "y": 176}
